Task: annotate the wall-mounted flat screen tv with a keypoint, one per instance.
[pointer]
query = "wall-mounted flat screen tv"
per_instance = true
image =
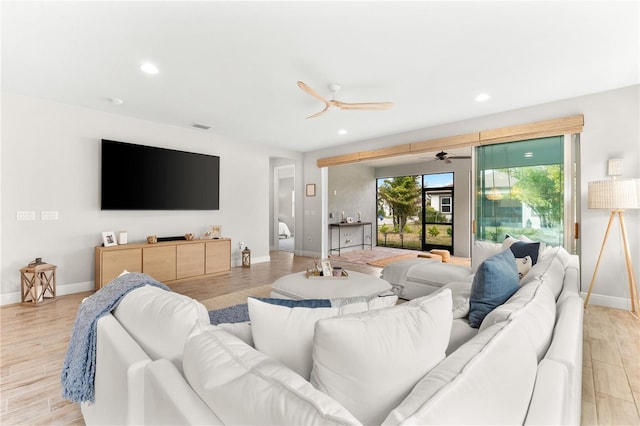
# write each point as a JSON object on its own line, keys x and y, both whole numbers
{"x": 139, "y": 177}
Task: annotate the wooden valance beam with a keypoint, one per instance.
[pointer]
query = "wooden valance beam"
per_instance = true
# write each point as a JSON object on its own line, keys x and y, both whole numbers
{"x": 540, "y": 129}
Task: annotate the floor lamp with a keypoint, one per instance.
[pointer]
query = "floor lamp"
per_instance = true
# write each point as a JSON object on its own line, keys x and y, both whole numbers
{"x": 616, "y": 195}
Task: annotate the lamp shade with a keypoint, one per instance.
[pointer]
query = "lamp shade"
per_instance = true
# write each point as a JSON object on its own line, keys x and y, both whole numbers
{"x": 614, "y": 194}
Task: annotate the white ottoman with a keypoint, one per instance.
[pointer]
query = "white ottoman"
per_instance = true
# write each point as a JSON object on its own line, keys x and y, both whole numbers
{"x": 297, "y": 286}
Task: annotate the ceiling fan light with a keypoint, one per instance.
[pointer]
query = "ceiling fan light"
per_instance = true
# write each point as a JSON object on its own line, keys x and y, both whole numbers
{"x": 494, "y": 195}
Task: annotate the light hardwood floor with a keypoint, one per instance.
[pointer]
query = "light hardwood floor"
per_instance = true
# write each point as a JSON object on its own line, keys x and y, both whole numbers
{"x": 33, "y": 344}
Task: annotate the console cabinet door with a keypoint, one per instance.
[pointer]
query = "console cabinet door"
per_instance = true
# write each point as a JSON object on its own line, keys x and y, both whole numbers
{"x": 160, "y": 262}
{"x": 116, "y": 261}
{"x": 218, "y": 256}
{"x": 190, "y": 260}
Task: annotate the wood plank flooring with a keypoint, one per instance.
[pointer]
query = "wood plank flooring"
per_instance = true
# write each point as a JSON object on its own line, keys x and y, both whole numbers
{"x": 33, "y": 343}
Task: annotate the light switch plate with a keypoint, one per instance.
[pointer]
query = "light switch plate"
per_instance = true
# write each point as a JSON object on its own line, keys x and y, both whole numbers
{"x": 49, "y": 215}
{"x": 615, "y": 167}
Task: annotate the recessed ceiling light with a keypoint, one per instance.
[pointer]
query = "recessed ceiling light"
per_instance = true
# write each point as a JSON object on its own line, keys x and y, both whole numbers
{"x": 116, "y": 101}
{"x": 149, "y": 68}
{"x": 342, "y": 132}
{"x": 528, "y": 154}
{"x": 482, "y": 97}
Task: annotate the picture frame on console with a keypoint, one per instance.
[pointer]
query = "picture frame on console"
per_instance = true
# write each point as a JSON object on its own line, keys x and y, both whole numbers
{"x": 109, "y": 239}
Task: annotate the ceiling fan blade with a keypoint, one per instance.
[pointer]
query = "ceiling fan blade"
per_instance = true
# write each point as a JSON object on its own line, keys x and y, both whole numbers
{"x": 318, "y": 114}
{"x": 369, "y": 106}
{"x": 312, "y": 92}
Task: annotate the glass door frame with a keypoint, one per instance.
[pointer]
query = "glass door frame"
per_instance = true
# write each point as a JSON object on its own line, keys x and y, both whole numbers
{"x": 571, "y": 218}
{"x": 425, "y": 245}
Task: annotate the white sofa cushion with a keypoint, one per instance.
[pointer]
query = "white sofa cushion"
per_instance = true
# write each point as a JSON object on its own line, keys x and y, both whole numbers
{"x": 369, "y": 362}
{"x": 550, "y": 269}
{"x": 244, "y": 386}
{"x": 461, "y": 333}
{"x": 489, "y": 380}
{"x": 160, "y": 321}
{"x": 536, "y": 305}
{"x": 286, "y": 334}
{"x": 437, "y": 273}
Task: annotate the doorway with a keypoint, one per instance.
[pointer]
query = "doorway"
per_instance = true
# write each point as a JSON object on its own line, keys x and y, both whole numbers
{"x": 284, "y": 207}
{"x": 437, "y": 211}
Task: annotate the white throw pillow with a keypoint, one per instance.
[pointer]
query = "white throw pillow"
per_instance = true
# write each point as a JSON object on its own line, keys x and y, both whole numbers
{"x": 369, "y": 362}
{"x": 286, "y": 334}
{"x": 483, "y": 250}
{"x": 245, "y": 387}
{"x": 460, "y": 294}
{"x": 160, "y": 321}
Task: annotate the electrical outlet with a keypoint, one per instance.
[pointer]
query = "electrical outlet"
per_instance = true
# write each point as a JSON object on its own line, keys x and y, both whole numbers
{"x": 26, "y": 215}
{"x": 309, "y": 238}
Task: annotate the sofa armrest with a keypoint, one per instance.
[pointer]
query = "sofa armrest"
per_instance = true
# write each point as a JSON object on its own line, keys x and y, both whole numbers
{"x": 119, "y": 379}
{"x": 169, "y": 400}
{"x": 550, "y": 395}
{"x": 566, "y": 348}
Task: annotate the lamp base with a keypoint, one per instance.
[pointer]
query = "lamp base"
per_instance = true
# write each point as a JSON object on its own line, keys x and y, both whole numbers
{"x": 633, "y": 290}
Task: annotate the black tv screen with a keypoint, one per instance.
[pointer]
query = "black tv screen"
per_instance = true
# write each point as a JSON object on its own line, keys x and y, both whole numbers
{"x": 139, "y": 177}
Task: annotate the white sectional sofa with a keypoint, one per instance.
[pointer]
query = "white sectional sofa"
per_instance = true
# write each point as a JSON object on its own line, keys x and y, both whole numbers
{"x": 159, "y": 361}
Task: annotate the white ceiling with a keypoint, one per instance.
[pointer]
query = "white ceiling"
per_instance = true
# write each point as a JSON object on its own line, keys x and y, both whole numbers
{"x": 234, "y": 65}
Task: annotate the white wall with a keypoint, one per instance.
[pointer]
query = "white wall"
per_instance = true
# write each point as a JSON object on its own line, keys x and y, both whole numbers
{"x": 51, "y": 161}
{"x": 352, "y": 189}
{"x": 611, "y": 130}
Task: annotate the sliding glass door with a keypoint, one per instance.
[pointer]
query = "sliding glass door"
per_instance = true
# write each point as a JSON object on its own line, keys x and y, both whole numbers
{"x": 520, "y": 190}
{"x": 437, "y": 207}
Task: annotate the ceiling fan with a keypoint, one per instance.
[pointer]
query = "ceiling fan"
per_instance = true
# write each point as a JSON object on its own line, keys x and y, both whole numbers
{"x": 443, "y": 156}
{"x": 334, "y": 104}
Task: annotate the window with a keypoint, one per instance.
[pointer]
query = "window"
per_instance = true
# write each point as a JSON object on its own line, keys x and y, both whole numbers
{"x": 520, "y": 190}
{"x": 445, "y": 205}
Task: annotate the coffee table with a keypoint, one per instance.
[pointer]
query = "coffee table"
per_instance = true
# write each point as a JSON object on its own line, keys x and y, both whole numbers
{"x": 297, "y": 286}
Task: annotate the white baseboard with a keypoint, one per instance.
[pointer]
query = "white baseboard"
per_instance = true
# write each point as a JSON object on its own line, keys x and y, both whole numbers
{"x": 261, "y": 259}
{"x": 61, "y": 290}
{"x": 307, "y": 253}
{"x": 608, "y": 301}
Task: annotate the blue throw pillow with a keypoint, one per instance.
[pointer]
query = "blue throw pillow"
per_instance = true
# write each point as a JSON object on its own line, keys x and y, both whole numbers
{"x": 305, "y": 303}
{"x": 495, "y": 281}
{"x": 240, "y": 313}
{"x": 522, "y": 249}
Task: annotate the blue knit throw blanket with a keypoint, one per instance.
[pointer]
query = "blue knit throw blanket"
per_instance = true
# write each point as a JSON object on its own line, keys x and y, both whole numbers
{"x": 79, "y": 369}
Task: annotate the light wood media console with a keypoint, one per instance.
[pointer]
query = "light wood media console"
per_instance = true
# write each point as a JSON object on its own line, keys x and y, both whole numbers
{"x": 165, "y": 261}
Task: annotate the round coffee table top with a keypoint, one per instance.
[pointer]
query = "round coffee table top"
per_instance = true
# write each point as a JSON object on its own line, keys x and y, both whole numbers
{"x": 298, "y": 286}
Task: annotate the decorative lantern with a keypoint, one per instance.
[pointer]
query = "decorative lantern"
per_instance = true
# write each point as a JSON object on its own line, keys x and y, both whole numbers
{"x": 246, "y": 257}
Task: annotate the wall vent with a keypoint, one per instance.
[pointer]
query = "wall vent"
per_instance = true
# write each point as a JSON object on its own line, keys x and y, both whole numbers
{"x": 200, "y": 126}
